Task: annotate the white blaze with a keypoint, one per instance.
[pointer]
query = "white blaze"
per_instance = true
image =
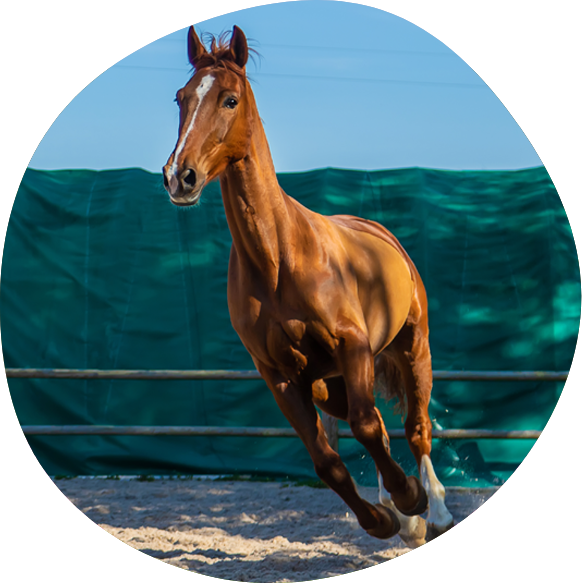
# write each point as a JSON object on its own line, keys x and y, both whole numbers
{"x": 201, "y": 92}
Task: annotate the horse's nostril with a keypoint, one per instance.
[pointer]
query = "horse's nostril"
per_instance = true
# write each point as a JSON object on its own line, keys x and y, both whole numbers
{"x": 166, "y": 184}
{"x": 189, "y": 178}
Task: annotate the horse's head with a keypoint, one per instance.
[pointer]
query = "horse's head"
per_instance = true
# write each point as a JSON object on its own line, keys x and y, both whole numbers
{"x": 215, "y": 117}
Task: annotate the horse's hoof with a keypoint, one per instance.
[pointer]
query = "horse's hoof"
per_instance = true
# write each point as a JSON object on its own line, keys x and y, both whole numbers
{"x": 416, "y": 534}
{"x": 433, "y": 531}
{"x": 389, "y": 525}
{"x": 420, "y": 498}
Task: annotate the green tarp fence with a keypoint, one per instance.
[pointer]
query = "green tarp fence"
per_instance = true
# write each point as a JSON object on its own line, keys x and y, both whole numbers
{"x": 101, "y": 271}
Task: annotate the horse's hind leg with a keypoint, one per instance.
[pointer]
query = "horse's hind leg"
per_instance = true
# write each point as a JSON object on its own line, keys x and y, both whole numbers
{"x": 356, "y": 363}
{"x": 412, "y": 352}
{"x": 296, "y": 404}
{"x": 333, "y": 400}
{"x": 412, "y": 529}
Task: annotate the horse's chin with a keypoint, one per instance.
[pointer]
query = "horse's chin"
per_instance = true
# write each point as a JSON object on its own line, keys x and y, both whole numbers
{"x": 188, "y": 200}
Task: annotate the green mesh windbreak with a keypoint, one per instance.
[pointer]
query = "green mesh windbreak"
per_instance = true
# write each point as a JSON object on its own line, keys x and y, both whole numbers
{"x": 101, "y": 271}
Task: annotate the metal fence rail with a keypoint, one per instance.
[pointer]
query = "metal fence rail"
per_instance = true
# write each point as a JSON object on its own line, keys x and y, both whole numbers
{"x": 167, "y": 375}
{"x": 71, "y": 430}
{"x": 176, "y": 374}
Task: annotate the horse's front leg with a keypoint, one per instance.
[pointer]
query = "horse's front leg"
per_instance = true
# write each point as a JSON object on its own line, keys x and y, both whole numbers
{"x": 296, "y": 404}
{"x": 356, "y": 363}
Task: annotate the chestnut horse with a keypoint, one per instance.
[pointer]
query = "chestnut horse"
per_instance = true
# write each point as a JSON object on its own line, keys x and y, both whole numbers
{"x": 326, "y": 306}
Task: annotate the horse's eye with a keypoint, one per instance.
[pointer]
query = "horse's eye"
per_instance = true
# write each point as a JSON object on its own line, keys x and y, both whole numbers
{"x": 230, "y": 102}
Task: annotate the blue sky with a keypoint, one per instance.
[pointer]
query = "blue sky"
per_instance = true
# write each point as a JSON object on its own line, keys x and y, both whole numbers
{"x": 337, "y": 84}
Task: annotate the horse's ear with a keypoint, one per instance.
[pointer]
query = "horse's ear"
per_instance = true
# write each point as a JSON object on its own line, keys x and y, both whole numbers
{"x": 195, "y": 47}
{"x": 239, "y": 47}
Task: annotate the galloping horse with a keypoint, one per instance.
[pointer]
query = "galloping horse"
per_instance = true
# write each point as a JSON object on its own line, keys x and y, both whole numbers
{"x": 328, "y": 307}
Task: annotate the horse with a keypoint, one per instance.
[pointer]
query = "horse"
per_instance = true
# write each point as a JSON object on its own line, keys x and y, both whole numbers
{"x": 330, "y": 308}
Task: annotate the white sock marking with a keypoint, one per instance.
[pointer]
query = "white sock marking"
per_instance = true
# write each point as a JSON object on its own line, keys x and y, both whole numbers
{"x": 438, "y": 514}
{"x": 412, "y": 529}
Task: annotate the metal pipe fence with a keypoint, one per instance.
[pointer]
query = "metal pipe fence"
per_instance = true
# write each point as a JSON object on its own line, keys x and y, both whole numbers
{"x": 81, "y": 430}
{"x": 190, "y": 375}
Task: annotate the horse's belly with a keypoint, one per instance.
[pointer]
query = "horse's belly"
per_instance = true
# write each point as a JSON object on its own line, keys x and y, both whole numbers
{"x": 385, "y": 290}
{"x": 387, "y": 315}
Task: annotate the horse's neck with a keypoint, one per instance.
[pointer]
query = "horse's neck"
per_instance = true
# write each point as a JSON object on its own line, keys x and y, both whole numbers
{"x": 256, "y": 207}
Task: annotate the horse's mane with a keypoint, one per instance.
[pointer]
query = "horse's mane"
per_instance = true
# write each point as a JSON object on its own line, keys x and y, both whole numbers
{"x": 220, "y": 54}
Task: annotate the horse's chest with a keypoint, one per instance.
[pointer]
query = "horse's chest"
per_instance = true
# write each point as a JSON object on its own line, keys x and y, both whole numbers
{"x": 286, "y": 343}
{"x": 280, "y": 328}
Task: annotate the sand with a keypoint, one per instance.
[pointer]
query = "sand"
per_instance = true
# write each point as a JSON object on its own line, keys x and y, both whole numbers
{"x": 243, "y": 530}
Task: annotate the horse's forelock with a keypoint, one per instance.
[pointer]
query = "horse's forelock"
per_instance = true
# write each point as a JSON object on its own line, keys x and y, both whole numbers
{"x": 218, "y": 43}
{"x": 219, "y": 54}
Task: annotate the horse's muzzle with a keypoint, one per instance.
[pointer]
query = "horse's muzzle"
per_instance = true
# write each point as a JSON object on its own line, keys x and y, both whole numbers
{"x": 185, "y": 188}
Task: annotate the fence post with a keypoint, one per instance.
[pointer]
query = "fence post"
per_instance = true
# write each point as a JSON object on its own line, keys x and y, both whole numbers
{"x": 331, "y": 429}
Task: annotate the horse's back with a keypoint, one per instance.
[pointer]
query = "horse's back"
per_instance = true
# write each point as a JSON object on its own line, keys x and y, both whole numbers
{"x": 373, "y": 228}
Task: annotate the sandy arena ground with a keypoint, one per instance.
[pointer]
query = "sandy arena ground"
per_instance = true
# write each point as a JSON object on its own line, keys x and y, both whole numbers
{"x": 242, "y": 530}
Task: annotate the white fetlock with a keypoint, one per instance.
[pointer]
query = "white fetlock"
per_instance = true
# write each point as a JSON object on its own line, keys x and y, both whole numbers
{"x": 439, "y": 518}
{"x": 412, "y": 529}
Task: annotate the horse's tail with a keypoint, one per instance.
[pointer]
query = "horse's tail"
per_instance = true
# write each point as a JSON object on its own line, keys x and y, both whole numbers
{"x": 388, "y": 382}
